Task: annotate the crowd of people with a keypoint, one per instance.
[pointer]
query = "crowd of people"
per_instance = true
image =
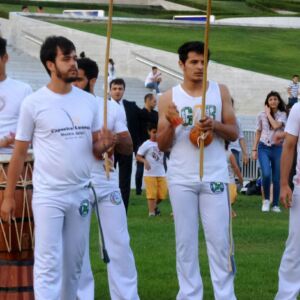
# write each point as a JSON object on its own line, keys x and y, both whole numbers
{"x": 76, "y": 151}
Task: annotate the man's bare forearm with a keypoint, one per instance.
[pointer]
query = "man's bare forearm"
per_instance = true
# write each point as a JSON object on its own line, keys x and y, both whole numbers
{"x": 228, "y": 132}
{"x": 165, "y": 137}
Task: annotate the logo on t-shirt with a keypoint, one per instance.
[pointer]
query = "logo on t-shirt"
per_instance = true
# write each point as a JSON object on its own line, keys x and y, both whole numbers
{"x": 156, "y": 154}
{"x": 186, "y": 114}
{"x": 2, "y": 103}
{"x": 84, "y": 208}
{"x": 74, "y": 130}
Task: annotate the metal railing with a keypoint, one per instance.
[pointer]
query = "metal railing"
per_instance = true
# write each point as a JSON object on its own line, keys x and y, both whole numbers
{"x": 161, "y": 67}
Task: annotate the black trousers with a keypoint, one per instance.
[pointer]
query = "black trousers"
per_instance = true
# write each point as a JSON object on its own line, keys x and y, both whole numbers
{"x": 139, "y": 177}
{"x": 125, "y": 168}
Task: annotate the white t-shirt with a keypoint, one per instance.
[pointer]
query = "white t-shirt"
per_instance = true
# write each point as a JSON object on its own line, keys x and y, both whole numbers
{"x": 60, "y": 127}
{"x": 115, "y": 123}
{"x": 12, "y": 93}
{"x": 151, "y": 77}
{"x": 155, "y": 158}
{"x": 293, "y": 127}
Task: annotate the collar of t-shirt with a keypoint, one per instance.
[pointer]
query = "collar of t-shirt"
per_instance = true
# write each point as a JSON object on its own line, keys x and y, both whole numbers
{"x": 120, "y": 102}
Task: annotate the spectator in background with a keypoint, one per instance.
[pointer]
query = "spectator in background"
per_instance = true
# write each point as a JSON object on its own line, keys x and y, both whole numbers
{"x": 111, "y": 70}
{"x": 233, "y": 169}
{"x": 155, "y": 176}
{"x": 239, "y": 145}
{"x": 147, "y": 115}
{"x": 25, "y": 8}
{"x": 130, "y": 115}
{"x": 40, "y": 10}
{"x": 153, "y": 80}
{"x": 293, "y": 91}
{"x": 272, "y": 119}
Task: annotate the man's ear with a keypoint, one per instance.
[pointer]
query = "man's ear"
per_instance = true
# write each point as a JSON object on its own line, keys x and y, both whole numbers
{"x": 181, "y": 64}
{"x": 92, "y": 83}
{"x": 5, "y": 58}
{"x": 50, "y": 66}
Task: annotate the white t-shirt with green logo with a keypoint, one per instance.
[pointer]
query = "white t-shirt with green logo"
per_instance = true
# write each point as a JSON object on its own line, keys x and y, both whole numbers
{"x": 60, "y": 128}
{"x": 183, "y": 165}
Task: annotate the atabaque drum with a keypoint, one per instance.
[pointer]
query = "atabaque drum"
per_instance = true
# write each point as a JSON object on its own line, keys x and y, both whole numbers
{"x": 16, "y": 238}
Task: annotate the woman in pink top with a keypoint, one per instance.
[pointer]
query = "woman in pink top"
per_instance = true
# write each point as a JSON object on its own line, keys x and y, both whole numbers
{"x": 268, "y": 152}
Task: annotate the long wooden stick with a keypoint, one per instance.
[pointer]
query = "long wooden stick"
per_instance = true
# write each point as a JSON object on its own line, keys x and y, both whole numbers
{"x": 204, "y": 83}
{"x": 107, "y": 54}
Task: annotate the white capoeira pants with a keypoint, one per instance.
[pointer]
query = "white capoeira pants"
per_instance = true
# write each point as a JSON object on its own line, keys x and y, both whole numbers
{"x": 61, "y": 227}
{"x": 122, "y": 275}
{"x": 289, "y": 270}
{"x": 211, "y": 203}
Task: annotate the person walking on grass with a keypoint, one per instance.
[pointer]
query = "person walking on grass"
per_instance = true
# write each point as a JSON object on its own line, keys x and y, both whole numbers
{"x": 269, "y": 121}
{"x": 154, "y": 173}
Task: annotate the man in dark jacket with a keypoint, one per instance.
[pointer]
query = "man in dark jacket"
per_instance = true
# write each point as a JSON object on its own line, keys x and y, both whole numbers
{"x": 131, "y": 117}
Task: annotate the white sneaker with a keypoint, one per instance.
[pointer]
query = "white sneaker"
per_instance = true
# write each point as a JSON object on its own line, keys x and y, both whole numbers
{"x": 266, "y": 206}
{"x": 276, "y": 209}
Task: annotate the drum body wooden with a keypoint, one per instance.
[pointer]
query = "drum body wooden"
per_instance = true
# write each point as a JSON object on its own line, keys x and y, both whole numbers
{"x": 16, "y": 239}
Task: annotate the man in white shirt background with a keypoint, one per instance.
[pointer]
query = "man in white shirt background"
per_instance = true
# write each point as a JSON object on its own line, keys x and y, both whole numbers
{"x": 132, "y": 115}
{"x": 153, "y": 80}
{"x": 12, "y": 93}
{"x": 122, "y": 275}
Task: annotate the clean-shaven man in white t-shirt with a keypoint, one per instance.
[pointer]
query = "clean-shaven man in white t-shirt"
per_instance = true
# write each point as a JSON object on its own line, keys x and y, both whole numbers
{"x": 194, "y": 199}
{"x": 122, "y": 275}
{"x": 12, "y": 93}
{"x": 62, "y": 123}
{"x": 289, "y": 270}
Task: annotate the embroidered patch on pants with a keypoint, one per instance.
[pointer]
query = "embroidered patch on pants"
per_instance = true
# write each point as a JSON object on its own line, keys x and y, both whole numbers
{"x": 217, "y": 187}
{"x": 84, "y": 208}
{"x": 115, "y": 198}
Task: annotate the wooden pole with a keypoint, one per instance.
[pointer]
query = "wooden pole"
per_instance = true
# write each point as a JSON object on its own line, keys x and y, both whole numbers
{"x": 107, "y": 55}
{"x": 204, "y": 84}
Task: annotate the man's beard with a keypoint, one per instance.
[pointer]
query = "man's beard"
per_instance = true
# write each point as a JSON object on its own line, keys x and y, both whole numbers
{"x": 64, "y": 77}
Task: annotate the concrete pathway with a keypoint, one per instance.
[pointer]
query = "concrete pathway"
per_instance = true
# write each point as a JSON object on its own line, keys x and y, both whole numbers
{"x": 275, "y": 22}
{"x": 173, "y": 6}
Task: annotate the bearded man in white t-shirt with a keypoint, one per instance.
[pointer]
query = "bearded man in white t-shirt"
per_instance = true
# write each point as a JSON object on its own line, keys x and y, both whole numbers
{"x": 194, "y": 199}
{"x": 62, "y": 123}
{"x": 122, "y": 275}
{"x": 12, "y": 93}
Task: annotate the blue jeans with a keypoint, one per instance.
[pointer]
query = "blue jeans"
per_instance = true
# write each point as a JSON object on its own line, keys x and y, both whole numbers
{"x": 237, "y": 157}
{"x": 153, "y": 85}
{"x": 269, "y": 160}
{"x": 292, "y": 101}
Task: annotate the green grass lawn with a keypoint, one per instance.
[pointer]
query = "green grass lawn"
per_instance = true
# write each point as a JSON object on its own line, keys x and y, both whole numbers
{"x": 259, "y": 243}
{"x": 264, "y": 50}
